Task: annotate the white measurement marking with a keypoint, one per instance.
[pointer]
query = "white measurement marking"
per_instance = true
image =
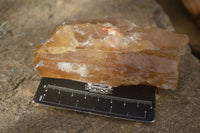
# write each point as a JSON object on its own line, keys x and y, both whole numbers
{"x": 72, "y": 94}
{"x": 123, "y": 100}
{"x": 100, "y": 95}
{"x": 77, "y": 102}
{"x": 140, "y": 117}
{"x": 46, "y": 90}
{"x": 45, "y": 86}
{"x": 40, "y": 98}
{"x": 127, "y": 113}
{"x": 110, "y": 109}
{"x": 85, "y": 97}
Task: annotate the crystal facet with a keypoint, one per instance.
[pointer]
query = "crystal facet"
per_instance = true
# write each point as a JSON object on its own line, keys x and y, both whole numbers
{"x": 113, "y": 52}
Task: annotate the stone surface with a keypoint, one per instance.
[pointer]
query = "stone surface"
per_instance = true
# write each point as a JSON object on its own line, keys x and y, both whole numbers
{"x": 176, "y": 111}
{"x": 112, "y": 51}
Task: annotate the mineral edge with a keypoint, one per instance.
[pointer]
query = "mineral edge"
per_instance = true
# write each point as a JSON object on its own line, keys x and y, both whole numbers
{"x": 111, "y": 51}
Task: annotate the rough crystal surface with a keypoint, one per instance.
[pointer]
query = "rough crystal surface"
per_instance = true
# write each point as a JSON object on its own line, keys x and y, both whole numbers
{"x": 111, "y": 51}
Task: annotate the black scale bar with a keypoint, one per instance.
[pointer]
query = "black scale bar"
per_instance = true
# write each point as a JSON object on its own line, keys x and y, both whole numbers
{"x": 126, "y": 102}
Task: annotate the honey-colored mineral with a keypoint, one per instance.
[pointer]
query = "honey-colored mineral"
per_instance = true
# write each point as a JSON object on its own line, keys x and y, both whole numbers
{"x": 113, "y": 52}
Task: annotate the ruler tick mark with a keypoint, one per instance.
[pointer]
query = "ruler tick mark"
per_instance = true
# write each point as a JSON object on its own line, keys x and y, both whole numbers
{"x": 110, "y": 109}
{"x": 127, "y": 113}
{"x": 40, "y": 98}
{"x": 77, "y": 102}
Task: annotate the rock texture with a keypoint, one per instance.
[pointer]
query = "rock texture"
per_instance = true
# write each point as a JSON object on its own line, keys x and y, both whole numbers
{"x": 112, "y": 51}
{"x": 176, "y": 111}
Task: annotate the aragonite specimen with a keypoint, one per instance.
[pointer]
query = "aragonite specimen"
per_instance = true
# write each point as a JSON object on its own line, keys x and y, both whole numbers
{"x": 113, "y": 52}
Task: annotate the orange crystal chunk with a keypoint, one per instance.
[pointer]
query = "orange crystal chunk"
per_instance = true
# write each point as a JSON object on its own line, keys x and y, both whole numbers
{"x": 113, "y": 52}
